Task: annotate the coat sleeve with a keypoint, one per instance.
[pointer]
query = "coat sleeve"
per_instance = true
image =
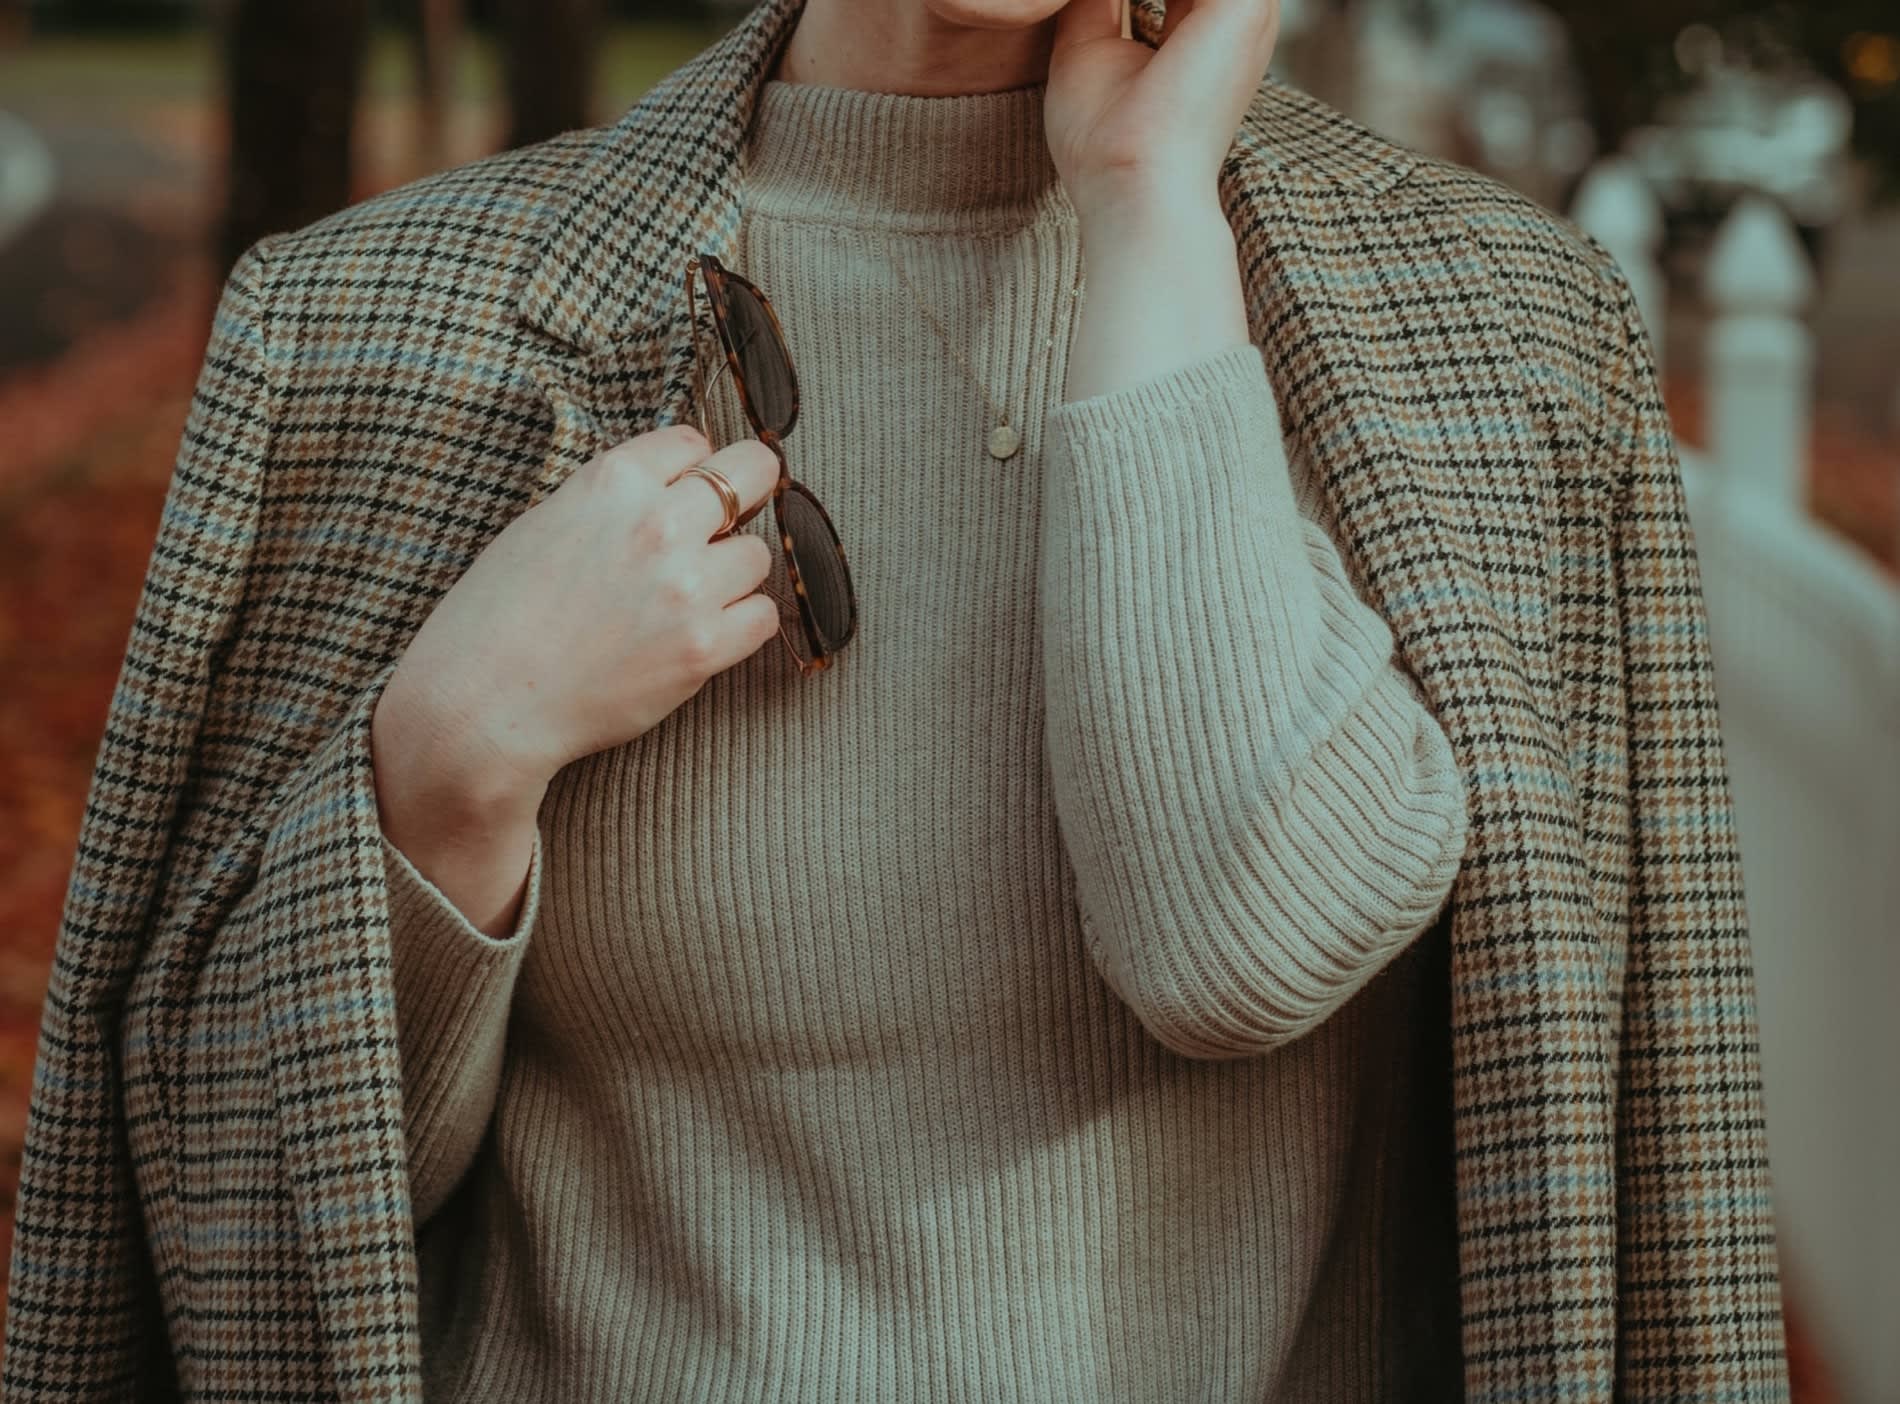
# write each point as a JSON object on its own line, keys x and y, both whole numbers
{"x": 83, "y": 1316}
{"x": 1699, "y": 1299}
{"x": 453, "y": 984}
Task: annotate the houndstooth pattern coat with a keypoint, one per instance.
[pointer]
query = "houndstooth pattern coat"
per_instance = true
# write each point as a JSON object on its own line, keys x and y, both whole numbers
{"x": 214, "y": 1200}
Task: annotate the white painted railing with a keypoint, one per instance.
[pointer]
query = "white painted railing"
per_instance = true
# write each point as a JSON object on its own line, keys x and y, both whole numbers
{"x": 1805, "y": 633}
{"x": 1614, "y": 205}
{"x": 27, "y": 176}
{"x": 1760, "y": 354}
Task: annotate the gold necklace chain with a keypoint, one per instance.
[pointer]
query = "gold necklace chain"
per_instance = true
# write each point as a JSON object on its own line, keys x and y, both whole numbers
{"x": 1004, "y": 438}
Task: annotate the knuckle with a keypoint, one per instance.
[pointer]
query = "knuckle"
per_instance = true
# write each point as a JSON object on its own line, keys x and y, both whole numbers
{"x": 686, "y": 585}
{"x": 698, "y": 647}
{"x": 661, "y": 529}
{"x": 639, "y": 452}
{"x": 621, "y": 458}
{"x": 675, "y": 591}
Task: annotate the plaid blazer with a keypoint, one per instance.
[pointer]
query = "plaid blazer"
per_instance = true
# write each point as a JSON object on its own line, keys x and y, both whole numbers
{"x": 214, "y": 1200}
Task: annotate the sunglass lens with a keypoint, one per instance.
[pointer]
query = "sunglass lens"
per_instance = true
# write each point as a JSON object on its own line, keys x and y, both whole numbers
{"x": 763, "y": 359}
{"x": 821, "y": 566}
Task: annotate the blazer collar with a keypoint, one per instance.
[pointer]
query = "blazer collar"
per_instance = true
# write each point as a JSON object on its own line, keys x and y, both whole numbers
{"x": 665, "y": 182}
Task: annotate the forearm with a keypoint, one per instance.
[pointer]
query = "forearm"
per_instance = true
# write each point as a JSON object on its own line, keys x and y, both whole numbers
{"x": 471, "y": 839}
{"x": 1163, "y": 289}
{"x": 1260, "y": 808}
{"x": 462, "y": 868}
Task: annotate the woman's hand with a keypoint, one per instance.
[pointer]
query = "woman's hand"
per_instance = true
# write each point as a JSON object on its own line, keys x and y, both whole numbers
{"x": 1126, "y": 122}
{"x": 1138, "y": 136}
{"x": 583, "y": 624}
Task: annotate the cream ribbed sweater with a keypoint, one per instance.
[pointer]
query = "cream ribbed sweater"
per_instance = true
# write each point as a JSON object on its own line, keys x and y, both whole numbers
{"x": 1013, "y": 1012}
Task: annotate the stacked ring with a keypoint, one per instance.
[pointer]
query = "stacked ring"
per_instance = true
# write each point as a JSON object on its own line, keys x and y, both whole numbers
{"x": 728, "y": 495}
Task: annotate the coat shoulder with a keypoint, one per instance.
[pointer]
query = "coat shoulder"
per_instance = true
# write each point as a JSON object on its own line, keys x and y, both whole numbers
{"x": 1461, "y": 278}
{"x": 1336, "y": 172}
{"x": 470, "y": 235}
{"x": 1558, "y": 295}
{"x": 1526, "y": 246}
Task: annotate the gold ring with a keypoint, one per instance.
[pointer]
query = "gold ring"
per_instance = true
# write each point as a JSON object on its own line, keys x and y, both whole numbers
{"x": 728, "y": 496}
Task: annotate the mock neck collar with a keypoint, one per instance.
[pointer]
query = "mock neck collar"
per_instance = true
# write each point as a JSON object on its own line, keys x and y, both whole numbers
{"x": 664, "y": 183}
{"x": 963, "y": 162}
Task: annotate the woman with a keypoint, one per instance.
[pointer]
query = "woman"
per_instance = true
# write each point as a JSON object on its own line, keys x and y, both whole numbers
{"x": 1250, "y": 910}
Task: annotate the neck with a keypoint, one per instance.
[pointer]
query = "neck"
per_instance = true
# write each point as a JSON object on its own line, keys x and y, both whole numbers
{"x": 907, "y": 47}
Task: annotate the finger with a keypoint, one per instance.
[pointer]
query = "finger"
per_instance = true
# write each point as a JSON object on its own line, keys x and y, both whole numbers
{"x": 1081, "y": 21}
{"x": 1217, "y": 45}
{"x": 736, "y": 564}
{"x": 664, "y": 453}
{"x": 742, "y": 627}
{"x": 750, "y": 466}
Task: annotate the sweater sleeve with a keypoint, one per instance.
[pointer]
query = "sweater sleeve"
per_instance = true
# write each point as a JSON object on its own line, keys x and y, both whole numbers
{"x": 1260, "y": 808}
{"x": 454, "y": 989}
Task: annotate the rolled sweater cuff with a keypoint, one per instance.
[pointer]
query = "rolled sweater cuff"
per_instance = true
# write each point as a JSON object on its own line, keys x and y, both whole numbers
{"x": 438, "y": 936}
{"x": 454, "y": 989}
{"x": 1234, "y": 375}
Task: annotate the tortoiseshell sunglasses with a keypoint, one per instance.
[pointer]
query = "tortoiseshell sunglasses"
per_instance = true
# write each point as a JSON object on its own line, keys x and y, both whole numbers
{"x": 761, "y": 367}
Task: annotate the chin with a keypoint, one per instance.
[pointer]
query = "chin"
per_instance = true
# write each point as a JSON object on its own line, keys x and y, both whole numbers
{"x": 995, "y": 14}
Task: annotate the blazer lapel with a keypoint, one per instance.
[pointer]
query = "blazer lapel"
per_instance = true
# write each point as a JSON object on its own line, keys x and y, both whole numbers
{"x": 608, "y": 298}
{"x": 599, "y": 398}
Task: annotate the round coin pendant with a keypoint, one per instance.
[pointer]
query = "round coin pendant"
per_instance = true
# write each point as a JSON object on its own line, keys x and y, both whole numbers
{"x": 1004, "y": 441}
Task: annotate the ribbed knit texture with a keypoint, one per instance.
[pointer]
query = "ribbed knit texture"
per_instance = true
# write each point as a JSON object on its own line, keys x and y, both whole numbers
{"x": 1025, "y": 1009}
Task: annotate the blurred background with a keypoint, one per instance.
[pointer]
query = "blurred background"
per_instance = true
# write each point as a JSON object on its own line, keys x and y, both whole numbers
{"x": 1741, "y": 159}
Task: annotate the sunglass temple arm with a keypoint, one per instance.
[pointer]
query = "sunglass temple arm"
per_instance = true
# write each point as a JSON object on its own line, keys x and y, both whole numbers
{"x": 702, "y": 387}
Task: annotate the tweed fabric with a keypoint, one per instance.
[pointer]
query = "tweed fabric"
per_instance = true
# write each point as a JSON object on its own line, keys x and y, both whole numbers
{"x": 213, "y": 1196}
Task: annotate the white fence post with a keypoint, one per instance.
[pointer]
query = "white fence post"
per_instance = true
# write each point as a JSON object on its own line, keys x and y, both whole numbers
{"x": 1760, "y": 353}
{"x": 1616, "y": 207}
{"x": 28, "y": 177}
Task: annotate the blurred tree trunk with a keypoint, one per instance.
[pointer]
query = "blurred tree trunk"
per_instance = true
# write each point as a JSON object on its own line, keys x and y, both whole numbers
{"x": 1625, "y": 51}
{"x": 438, "y": 44}
{"x": 13, "y": 23}
{"x": 548, "y": 47}
{"x": 293, "y": 72}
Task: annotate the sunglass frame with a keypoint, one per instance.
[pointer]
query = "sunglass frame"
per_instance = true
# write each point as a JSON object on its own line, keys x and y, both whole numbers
{"x": 822, "y": 653}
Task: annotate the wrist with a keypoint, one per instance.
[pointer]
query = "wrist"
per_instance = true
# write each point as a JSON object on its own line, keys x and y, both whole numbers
{"x": 437, "y": 774}
{"x": 1139, "y": 214}
{"x": 1163, "y": 290}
